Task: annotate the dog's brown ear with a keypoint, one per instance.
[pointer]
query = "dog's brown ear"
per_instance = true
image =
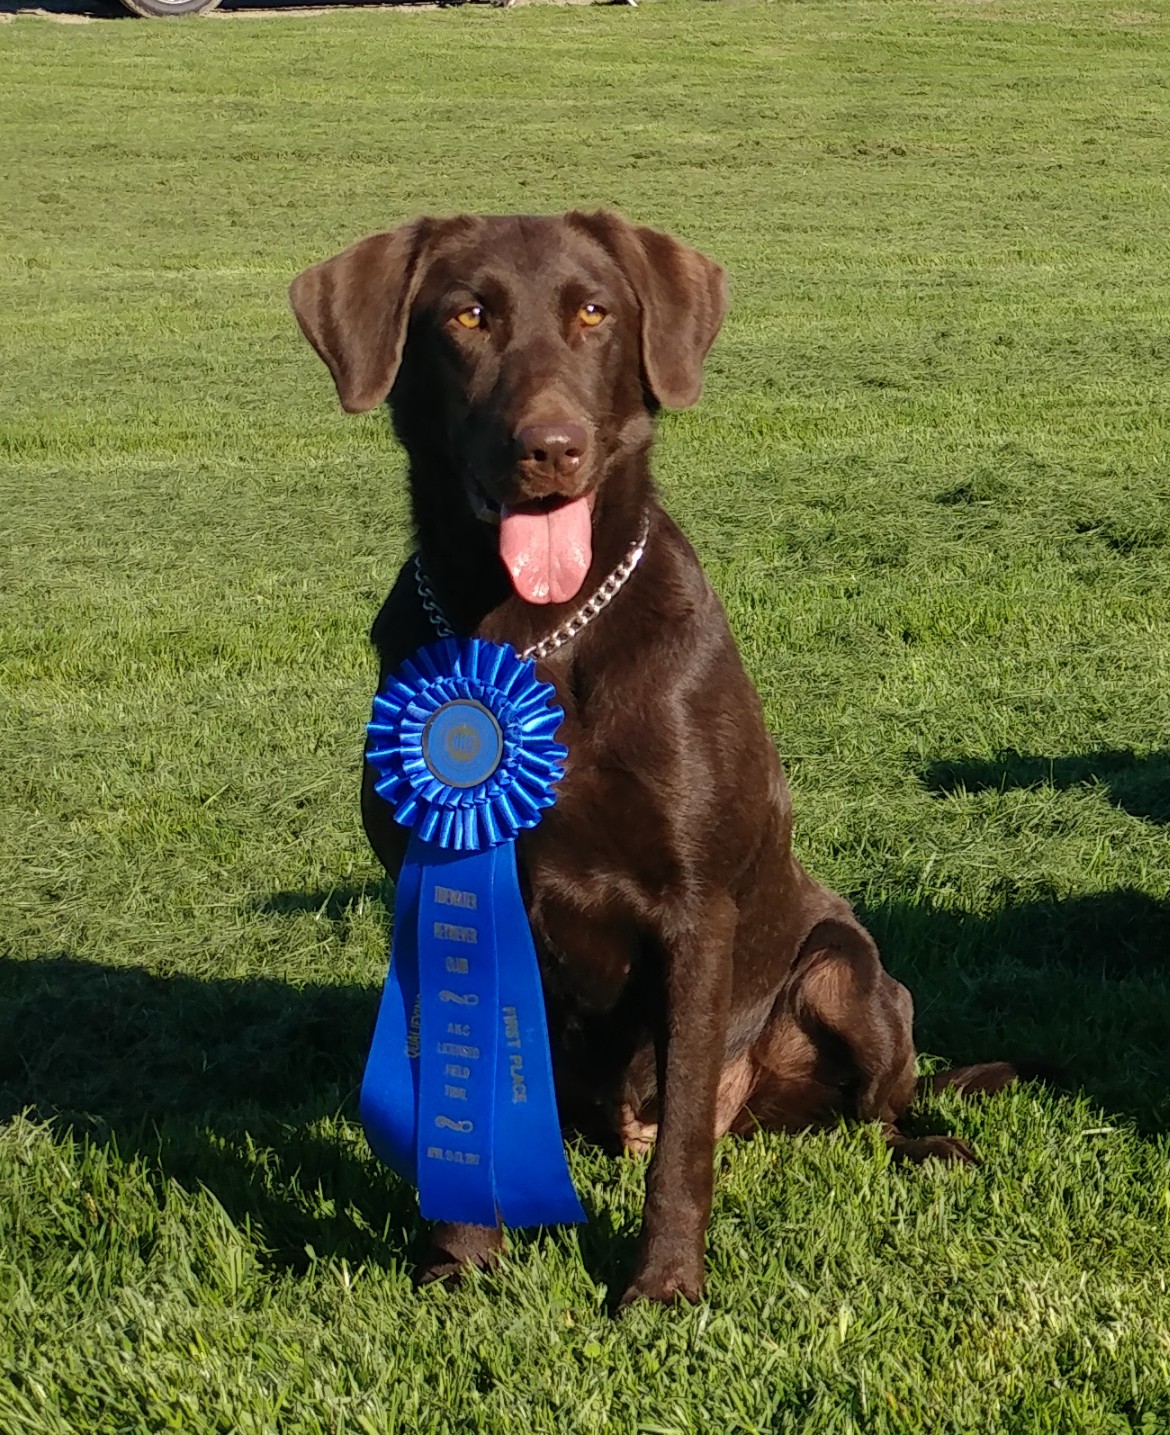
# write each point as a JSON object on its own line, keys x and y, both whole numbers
{"x": 354, "y": 309}
{"x": 683, "y": 296}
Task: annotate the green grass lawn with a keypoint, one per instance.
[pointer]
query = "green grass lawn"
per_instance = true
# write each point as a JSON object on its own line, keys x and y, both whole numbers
{"x": 928, "y": 477}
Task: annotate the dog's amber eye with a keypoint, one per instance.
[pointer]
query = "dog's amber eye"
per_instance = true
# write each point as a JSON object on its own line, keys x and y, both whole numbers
{"x": 591, "y": 315}
{"x": 471, "y": 318}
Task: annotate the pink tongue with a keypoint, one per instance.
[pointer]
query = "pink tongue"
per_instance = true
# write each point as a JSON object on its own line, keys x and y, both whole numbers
{"x": 547, "y": 552}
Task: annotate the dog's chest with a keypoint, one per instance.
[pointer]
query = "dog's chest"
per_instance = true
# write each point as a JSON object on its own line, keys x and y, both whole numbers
{"x": 608, "y": 842}
{"x": 599, "y": 869}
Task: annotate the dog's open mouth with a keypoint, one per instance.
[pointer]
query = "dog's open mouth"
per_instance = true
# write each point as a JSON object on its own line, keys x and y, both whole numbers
{"x": 546, "y": 545}
{"x": 483, "y": 505}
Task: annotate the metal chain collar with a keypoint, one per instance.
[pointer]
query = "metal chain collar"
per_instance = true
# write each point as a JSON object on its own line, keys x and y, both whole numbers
{"x": 584, "y": 615}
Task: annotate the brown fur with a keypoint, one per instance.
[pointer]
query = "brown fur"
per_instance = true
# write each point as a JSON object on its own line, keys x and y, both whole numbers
{"x": 697, "y": 979}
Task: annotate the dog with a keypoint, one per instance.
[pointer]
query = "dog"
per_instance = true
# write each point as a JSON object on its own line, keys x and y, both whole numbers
{"x": 697, "y": 980}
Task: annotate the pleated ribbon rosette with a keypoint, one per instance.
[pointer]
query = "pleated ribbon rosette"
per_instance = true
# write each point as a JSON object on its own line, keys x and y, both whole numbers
{"x": 458, "y": 1092}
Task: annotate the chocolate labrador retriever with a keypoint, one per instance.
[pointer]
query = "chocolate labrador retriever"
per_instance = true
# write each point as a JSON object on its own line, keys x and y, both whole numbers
{"x": 697, "y": 979}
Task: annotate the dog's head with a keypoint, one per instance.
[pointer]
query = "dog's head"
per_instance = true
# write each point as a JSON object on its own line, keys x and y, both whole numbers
{"x": 523, "y": 358}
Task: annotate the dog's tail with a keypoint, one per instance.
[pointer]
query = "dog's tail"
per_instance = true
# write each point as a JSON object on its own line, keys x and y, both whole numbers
{"x": 985, "y": 1078}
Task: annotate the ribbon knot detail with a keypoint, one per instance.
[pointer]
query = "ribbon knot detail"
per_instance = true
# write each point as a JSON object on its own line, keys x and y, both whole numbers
{"x": 458, "y": 1091}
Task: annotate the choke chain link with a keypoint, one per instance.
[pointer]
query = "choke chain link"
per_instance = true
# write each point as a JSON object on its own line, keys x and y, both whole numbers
{"x": 429, "y": 602}
{"x": 584, "y": 615}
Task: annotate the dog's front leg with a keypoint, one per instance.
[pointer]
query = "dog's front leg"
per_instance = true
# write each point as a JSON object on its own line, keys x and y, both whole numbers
{"x": 690, "y": 1057}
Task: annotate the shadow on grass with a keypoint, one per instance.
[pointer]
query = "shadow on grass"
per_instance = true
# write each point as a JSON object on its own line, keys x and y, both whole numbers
{"x": 199, "y": 1076}
{"x": 334, "y": 903}
{"x": 230, "y": 1085}
{"x": 1138, "y": 785}
{"x": 194, "y": 1075}
{"x": 1079, "y": 984}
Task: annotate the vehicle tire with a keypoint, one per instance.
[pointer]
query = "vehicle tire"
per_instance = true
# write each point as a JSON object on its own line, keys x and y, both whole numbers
{"x": 159, "y": 9}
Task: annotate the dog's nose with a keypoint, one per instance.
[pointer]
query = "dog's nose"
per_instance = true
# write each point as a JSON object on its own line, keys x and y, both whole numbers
{"x": 552, "y": 450}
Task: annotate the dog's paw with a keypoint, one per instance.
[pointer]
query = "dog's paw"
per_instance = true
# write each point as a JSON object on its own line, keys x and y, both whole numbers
{"x": 439, "y": 1269}
{"x": 637, "y": 1137}
{"x": 938, "y": 1148}
{"x": 453, "y": 1248}
{"x": 665, "y": 1284}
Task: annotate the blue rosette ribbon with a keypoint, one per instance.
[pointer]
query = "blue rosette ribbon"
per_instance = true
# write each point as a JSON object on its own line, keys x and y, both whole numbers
{"x": 458, "y": 1092}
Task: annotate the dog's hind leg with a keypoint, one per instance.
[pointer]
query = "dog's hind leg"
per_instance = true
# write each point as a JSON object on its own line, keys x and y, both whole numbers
{"x": 843, "y": 1044}
{"x": 846, "y": 992}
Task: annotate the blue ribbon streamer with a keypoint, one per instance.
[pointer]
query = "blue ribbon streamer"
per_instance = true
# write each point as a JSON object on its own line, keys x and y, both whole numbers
{"x": 458, "y": 1091}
